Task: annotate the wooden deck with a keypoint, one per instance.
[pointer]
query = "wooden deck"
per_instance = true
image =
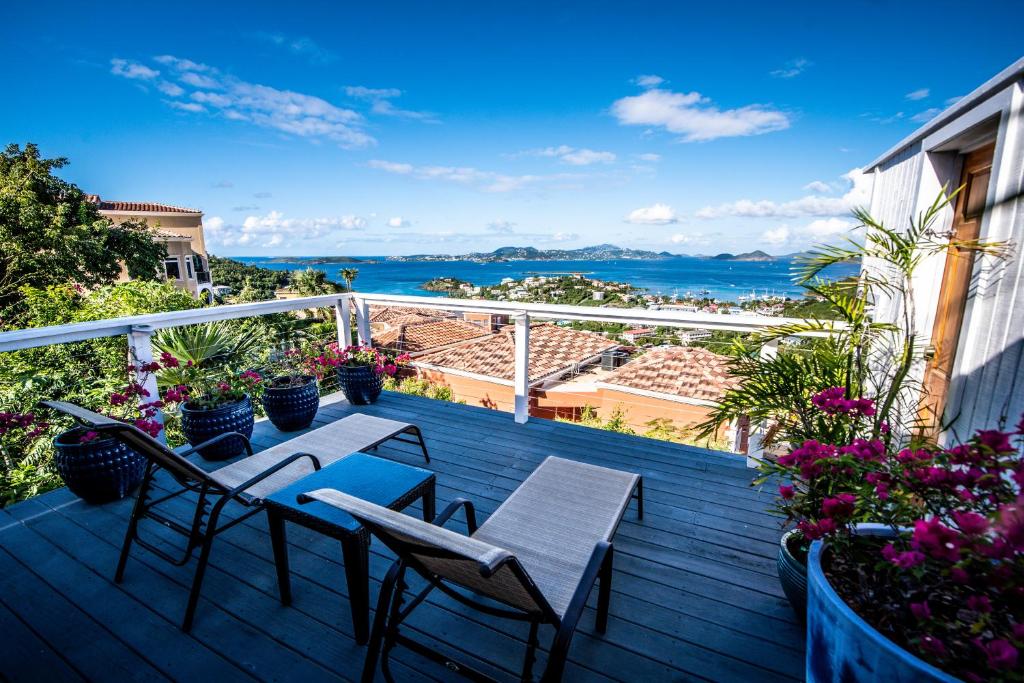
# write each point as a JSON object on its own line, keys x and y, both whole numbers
{"x": 695, "y": 595}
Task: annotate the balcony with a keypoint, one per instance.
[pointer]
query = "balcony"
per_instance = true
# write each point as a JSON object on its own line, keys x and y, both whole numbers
{"x": 695, "y": 594}
{"x": 203, "y": 277}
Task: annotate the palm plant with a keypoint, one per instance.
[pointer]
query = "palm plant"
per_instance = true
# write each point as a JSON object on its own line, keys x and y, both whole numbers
{"x": 349, "y": 276}
{"x": 858, "y": 353}
{"x": 207, "y": 348}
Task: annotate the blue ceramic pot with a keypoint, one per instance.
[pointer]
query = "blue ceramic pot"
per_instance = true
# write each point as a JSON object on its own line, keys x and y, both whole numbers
{"x": 202, "y": 425}
{"x": 361, "y": 385}
{"x": 841, "y": 646}
{"x": 99, "y": 471}
{"x": 291, "y": 407}
{"x": 793, "y": 574}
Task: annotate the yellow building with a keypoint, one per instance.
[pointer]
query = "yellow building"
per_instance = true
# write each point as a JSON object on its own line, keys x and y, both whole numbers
{"x": 181, "y": 231}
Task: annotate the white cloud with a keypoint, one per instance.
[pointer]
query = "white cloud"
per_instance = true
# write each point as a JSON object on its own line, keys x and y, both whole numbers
{"x": 300, "y": 46}
{"x": 818, "y": 186}
{"x": 132, "y": 70}
{"x": 815, "y": 232}
{"x": 791, "y": 69}
{"x": 380, "y": 102}
{"x": 649, "y": 156}
{"x": 648, "y": 80}
{"x": 826, "y": 227}
{"x": 568, "y": 155}
{"x": 918, "y": 94}
{"x": 488, "y": 181}
{"x": 859, "y": 194}
{"x": 657, "y": 214}
{"x": 274, "y": 229}
{"x": 170, "y": 89}
{"x": 502, "y": 227}
{"x": 285, "y": 111}
{"x": 926, "y": 115}
{"x": 398, "y": 222}
{"x": 690, "y": 239}
{"x": 565, "y": 237}
{"x": 776, "y": 236}
{"x": 694, "y": 117}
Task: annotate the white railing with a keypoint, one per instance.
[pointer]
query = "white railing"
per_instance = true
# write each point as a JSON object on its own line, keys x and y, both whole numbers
{"x": 140, "y": 329}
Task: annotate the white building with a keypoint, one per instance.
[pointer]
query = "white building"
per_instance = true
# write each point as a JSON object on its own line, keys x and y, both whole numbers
{"x": 970, "y": 313}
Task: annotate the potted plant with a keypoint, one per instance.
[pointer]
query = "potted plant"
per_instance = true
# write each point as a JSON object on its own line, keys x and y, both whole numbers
{"x": 101, "y": 469}
{"x": 361, "y": 369}
{"x": 225, "y": 406}
{"x": 935, "y": 590}
{"x": 291, "y": 398}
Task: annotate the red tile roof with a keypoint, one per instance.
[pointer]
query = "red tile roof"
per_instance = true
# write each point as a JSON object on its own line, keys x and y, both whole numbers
{"x": 422, "y": 334}
{"x": 683, "y": 371}
{"x": 553, "y": 350}
{"x": 389, "y": 314}
{"x": 133, "y": 207}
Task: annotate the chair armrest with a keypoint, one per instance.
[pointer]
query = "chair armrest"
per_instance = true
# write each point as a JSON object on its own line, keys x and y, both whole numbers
{"x": 272, "y": 470}
{"x": 219, "y": 437}
{"x": 566, "y": 629}
{"x": 452, "y": 508}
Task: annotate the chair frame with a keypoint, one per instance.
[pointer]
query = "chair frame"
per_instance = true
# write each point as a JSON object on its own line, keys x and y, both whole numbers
{"x": 390, "y": 612}
{"x": 212, "y": 496}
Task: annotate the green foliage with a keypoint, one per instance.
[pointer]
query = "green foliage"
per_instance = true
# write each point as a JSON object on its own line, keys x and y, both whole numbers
{"x": 414, "y": 386}
{"x": 312, "y": 282}
{"x": 208, "y": 352}
{"x": 349, "y": 276}
{"x": 50, "y": 234}
{"x": 248, "y": 283}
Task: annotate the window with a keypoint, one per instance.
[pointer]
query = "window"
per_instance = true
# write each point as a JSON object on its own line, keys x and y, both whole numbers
{"x": 173, "y": 268}
{"x": 188, "y": 266}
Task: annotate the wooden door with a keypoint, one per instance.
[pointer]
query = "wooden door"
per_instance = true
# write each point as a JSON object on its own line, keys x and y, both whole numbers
{"x": 956, "y": 280}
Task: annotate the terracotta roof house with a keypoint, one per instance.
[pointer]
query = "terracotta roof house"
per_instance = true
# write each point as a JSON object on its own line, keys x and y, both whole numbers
{"x": 481, "y": 372}
{"x": 180, "y": 229}
{"x": 416, "y": 335}
{"x": 690, "y": 374}
{"x": 390, "y": 314}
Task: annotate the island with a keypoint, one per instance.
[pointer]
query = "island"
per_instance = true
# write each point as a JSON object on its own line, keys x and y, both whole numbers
{"x": 317, "y": 260}
{"x": 600, "y": 252}
{"x": 748, "y": 256}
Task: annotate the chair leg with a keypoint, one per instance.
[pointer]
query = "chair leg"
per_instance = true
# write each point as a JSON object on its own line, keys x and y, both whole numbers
{"x": 604, "y": 590}
{"x": 357, "y": 576}
{"x": 138, "y": 510}
{"x": 204, "y": 558}
{"x": 640, "y": 498}
{"x": 380, "y": 618}
{"x": 423, "y": 444}
{"x": 531, "y": 651}
{"x": 279, "y": 542}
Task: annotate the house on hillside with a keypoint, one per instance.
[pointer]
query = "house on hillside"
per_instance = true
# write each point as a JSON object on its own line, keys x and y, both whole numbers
{"x": 481, "y": 372}
{"x": 181, "y": 232}
{"x": 417, "y": 335}
{"x": 969, "y": 311}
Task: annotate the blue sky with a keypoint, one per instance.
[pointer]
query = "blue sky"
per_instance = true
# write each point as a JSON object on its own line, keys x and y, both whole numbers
{"x": 395, "y": 128}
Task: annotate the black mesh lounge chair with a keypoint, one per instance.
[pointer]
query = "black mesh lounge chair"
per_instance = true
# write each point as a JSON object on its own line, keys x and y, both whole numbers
{"x": 236, "y": 482}
{"x": 535, "y": 559}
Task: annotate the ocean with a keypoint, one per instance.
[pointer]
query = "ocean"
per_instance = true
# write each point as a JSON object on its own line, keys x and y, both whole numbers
{"x": 724, "y": 280}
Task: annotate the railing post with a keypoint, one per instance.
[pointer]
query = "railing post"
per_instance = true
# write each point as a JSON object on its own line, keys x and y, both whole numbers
{"x": 755, "y": 446}
{"x": 522, "y": 367}
{"x": 140, "y": 352}
{"x": 363, "y": 321}
{"x": 343, "y": 316}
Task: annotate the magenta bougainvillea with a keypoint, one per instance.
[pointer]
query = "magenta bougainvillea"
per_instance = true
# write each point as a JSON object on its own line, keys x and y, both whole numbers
{"x": 383, "y": 361}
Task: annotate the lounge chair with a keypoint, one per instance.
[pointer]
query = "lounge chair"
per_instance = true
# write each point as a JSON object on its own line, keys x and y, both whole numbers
{"x": 535, "y": 559}
{"x": 246, "y": 481}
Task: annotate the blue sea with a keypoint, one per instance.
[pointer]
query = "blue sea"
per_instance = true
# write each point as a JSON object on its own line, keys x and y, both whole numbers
{"x": 723, "y": 280}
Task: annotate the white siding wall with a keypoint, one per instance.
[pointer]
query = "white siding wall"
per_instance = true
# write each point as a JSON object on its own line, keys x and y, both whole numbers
{"x": 988, "y": 377}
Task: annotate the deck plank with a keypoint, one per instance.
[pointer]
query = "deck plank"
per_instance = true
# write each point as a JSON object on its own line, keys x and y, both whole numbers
{"x": 695, "y": 595}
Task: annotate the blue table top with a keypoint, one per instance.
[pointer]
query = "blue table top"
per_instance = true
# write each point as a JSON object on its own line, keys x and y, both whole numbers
{"x": 364, "y": 476}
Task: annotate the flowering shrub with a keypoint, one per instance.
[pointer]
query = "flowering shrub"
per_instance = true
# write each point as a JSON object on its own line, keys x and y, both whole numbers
{"x": 383, "y": 361}
{"x": 131, "y": 403}
{"x": 19, "y": 433}
{"x": 230, "y": 390}
{"x": 948, "y": 583}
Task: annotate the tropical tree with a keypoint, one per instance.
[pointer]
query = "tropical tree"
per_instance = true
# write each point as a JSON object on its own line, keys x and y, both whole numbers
{"x": 208, "y": 350}
{"x": 349, "y": 276}
{"x": 51, "y": 234}
{"x": 312, "y": 282}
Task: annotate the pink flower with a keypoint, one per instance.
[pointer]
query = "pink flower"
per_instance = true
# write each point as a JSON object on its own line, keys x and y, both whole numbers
{"x": 979, "y": 603}
{"x": 88, "y": 436}
{"x": 996, "y": 440}
{"x": 903, "y": 560}
{"x": 959, "y": 575}
{"x": 921, "y": 610}
{"x": 1001, "y": 654}
{"x": 937, "y": 539}
{"x": 933, "y": 646}
{"x": 168, "y": 360}
{"x": 840, "y": 506}
{"x": 390, "y": 368}
{"x": 787, "y": 491}
{"x": 970, "y": 523}
{"x": 1011, "y": 523}
{"x": 118, "y": 399}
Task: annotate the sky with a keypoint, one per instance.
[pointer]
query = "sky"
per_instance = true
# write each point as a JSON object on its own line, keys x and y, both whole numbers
{"x": 398, "y": 128}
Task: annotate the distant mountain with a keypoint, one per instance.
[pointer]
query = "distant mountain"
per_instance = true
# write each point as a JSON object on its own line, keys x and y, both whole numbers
{"x": 749, "y": 256}
{"x": 315, "y": 260}
{"x": 600, "y": 252}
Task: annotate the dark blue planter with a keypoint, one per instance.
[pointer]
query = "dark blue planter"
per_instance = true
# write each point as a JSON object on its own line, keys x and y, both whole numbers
{"x": 843, "y": 647}
{"x": 793, "y": 575}
{"x": 361, "y": 385}
{"x": 291, "y": 407}
{"x": 203, "y": 425}
{"x": 99, "y": 471}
